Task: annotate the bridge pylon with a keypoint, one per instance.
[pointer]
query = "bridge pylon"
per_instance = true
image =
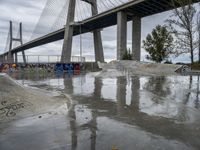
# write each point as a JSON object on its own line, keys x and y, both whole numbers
{"x": 68, "y": 35}
{"x": 10, "y": 57}
{"x": 98, "y": 46}
{"x": 122, "y": 35}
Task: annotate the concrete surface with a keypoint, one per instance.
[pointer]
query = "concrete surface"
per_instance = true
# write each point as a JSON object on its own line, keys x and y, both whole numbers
{"x": 131, "y": 68}
{"x": 91, "y": 113}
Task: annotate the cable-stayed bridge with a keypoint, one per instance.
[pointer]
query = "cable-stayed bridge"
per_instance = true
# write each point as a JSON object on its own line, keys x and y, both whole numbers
{"x": 63, "y": 19}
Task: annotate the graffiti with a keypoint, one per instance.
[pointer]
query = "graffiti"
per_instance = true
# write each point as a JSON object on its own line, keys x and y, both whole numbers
{"x": 10, "y": 110}
{"x": 72, "y": 68}
{"x": 7, "y": 68}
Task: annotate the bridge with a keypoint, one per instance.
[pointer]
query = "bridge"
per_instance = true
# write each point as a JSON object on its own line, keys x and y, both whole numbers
{"x": 133, "y": 10}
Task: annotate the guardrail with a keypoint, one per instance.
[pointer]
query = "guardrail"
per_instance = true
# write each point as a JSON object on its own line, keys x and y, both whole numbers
{"x": 46, "y": 59}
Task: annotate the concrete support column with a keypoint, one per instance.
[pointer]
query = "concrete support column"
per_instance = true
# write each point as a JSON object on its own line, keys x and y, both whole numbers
{"x": 21, "y": 41}
{"x": 10, "y": 55}
{"x": 1, "y": 59}
{"x": 24, "y": 57}
{"x": 16, "y": 59}
{"x": 68, "y": 36}
{"x": 98, "y": 47}
{"x": 136, "y": 38}
{"x": 121, "y": 34}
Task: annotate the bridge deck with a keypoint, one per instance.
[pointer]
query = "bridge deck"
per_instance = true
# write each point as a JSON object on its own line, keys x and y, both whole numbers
{"x": 108, "y": 18}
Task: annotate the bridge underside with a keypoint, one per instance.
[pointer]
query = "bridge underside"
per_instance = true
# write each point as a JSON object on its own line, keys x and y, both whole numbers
{"x": 138, "y": 8}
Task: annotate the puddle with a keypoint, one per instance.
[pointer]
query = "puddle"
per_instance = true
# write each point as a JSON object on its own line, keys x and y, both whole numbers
{"x": 139, "y": 112}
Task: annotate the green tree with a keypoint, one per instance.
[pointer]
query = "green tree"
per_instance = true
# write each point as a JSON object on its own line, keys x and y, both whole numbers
{"x": 127, "y": 55}
{"x": 158, "y": 44}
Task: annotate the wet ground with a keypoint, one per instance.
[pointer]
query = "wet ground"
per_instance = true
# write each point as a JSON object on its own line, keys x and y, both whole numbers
{"x": 127, "y": 113}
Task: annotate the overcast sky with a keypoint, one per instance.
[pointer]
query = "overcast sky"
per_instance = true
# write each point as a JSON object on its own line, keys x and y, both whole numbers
{"x": 28, "y": 12}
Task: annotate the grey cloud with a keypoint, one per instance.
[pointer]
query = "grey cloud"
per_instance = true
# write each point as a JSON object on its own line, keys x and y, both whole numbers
{"x": 17, "y": 3}
{"x": 29, "y": 11}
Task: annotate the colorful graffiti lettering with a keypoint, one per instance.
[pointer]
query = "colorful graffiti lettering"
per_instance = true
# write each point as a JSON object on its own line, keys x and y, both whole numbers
{"x": 71, "y": 68}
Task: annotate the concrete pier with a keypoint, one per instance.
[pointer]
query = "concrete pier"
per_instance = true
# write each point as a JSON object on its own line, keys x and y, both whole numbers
{"x": 10, "y": 55}
{"x": 68, "y": 36}
{"x": 21, "y": 42}
{"x": 121, "y": 34}
{"x": 1, "y": 58}
{"x": 16, "y": 59}
{"x": 136, "y": 38}
{"x": 98, "y": 47}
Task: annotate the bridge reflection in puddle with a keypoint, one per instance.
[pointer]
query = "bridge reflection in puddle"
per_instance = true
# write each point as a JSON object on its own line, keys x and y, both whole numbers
{"x": 140, "y": 112}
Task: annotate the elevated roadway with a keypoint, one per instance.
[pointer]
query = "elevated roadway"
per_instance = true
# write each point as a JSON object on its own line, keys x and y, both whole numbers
{"x": 139, "y": 8}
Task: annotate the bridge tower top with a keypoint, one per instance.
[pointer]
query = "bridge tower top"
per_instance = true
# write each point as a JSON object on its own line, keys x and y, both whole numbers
{"x": 12, "y": 39}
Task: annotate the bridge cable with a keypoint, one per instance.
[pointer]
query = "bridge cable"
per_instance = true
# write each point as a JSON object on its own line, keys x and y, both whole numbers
{"x": 47, "y": 18}
{"x": 77, "y": 16}
{"x": 100, "y": 9}
{"x": 104, "y": 5}
{"x": 122, "y": 2}
{"x": 108, "y": 4}
{"x": 118, "y": 2}
{"x": 89, "y": 10}
{"x": 85, "y": 9}
{"x": 111, "y": 2}
{"x": 16, "y": 43}
{"x": 78, "y": 4}
{"x": 61, "y": 19}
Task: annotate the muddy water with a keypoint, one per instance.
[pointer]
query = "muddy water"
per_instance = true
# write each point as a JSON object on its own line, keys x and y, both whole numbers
{"x": 139, "y": 112}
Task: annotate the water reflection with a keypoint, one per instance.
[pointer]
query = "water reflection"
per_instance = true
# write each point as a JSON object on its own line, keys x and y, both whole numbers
{"x": 135, "y": 96}
{"x": 158, "y": 108}
{"x": 72, "y": 115}
{"x": 133, "y": 114}
{"x": 159, "y": 87}
{"x": 97, "y": 88}
{"x": 121, "y": 94}
{"x": 197, "y": 95}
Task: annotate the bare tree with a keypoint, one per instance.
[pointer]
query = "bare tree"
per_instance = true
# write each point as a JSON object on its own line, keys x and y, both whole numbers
{"x": 182, "y": 24}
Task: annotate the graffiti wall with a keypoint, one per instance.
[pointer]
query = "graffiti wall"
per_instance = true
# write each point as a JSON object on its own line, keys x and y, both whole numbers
{"x": 74, "y": 68}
